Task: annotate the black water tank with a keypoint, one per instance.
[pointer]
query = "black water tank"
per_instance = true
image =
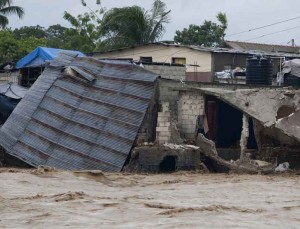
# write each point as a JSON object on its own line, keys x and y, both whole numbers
{"x": 259, "y": 71}
{"x": 291, "y": 80}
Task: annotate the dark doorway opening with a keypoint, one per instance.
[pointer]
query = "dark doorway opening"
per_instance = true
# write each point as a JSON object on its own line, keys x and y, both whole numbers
{"x": 252, "y": 143}
{"x": 226, "y": 124}
{"x": 30, "y": 75}
{"x": 229, "y": 126}
{"x": 168, "y": 164}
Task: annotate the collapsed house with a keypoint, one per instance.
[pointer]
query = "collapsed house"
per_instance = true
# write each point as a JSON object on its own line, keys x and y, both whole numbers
{"x": 263, "y": 122}
{"x": 84, "y": 113}
{"x": 80, "y": 114}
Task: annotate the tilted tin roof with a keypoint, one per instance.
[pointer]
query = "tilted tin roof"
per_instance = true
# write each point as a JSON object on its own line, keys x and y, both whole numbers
{"x": 85, "y": 120}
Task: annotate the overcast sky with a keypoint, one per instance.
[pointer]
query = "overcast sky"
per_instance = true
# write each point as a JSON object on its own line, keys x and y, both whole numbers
{"x": 242, "y": 15}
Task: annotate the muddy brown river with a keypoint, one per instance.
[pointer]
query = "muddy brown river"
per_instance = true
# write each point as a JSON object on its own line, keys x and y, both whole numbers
{"x": 57, "y": 199}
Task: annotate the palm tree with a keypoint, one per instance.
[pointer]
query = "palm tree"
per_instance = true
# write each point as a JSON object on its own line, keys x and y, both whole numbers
{"x": 133, "y": 25}
{"x": 6, "y": 9}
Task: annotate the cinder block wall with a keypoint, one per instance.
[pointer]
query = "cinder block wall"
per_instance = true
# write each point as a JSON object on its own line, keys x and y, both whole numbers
{"x": 9, "y": 77}
{"x": 163, "y": 129}
{"x": 168, "y": 71}
{"x": 190, "y": 106}
{"x": 167, "y": 94}
{"x": 151, "y": 157}
{"x": 184, "y": 106}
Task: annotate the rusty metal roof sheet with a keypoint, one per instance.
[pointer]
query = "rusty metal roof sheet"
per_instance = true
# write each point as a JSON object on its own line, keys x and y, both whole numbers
{"x": 87, "y": 120}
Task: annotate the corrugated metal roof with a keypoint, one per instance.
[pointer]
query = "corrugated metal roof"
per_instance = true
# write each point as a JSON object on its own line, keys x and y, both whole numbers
{"x": 246, "y": 46}
{"x": 70, "y": 122}
{"x": 257, "y": 49}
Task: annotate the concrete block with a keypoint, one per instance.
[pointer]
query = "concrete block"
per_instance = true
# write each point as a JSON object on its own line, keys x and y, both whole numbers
{"x": 164, "y": 114}
{"x": 165, "y": 106}
{"x": 188, "y": 112}
{"x": 189, "y": 102}
{"x": 164, "y": 134}
{"x": 187, "y": 122}
{"x": 195, "y": 107}
{"x": 163, "y": 140}
{"x": 192, "y": 117}
{"x": 163, "y": 119}
{"x": 184, "y": 112}
{"x": 187, "y": 107}
{"x": 184, "y": 117}
{"x": 163, "y": 124}
{"x": 163, "y": 128}
{"x": 196, "y": 112}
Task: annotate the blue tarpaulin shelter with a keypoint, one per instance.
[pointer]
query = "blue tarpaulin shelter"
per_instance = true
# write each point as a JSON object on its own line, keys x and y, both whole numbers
{"x": 42, "y": 55}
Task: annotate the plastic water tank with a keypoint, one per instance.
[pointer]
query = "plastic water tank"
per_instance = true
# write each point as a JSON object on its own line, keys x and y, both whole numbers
{"x": 259, "y": 71}
{"x": 291, "y": 80}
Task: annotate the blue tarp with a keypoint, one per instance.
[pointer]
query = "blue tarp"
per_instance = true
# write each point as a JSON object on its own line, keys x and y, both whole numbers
{"x": 41, "y": 55}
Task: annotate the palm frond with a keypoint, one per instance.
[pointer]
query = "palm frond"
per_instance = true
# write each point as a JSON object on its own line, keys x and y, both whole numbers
{"x": 159, "y": 16}
{"x": 12, "y": 10}
{"x": 4, "y": 3}
{"x": 3, "y": 21}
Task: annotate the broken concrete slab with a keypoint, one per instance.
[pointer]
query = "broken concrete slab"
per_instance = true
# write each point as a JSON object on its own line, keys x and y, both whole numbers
{"x": 243, "y": 165}
{"x": 290, "y": 125}
{"x": 278, "y": 107}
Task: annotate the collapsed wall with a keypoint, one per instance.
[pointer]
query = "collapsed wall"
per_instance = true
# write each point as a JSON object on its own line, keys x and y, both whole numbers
{"x": 164, "y": 158}
{"x": 272, "y": 112}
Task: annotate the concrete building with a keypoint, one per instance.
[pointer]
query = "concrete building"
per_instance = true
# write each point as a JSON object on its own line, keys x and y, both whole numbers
{"x": 198, "y": 62}
{"x": 201, "y": 62}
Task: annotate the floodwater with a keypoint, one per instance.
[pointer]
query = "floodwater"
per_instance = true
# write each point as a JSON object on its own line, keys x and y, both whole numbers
{"x": 56, "y": 199}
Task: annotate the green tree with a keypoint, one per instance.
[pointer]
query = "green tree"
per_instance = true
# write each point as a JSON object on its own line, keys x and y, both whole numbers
{"x": 9, "y": 47}
{"x": 7, "y": 9}
{"x": 55, "y": 31}
{"x": 13, "y": 49}
{"x": 56, "y": 36}
{"x": 30, "y": 31}
{"x": 128, "y": 26}
{"x": 26, "y": 45}
{"x": 85, "y": 33}
{"x": 208, "y": 34}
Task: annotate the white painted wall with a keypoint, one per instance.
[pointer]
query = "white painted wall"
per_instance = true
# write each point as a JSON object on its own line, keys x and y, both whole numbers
{"x": 162, "y": 53}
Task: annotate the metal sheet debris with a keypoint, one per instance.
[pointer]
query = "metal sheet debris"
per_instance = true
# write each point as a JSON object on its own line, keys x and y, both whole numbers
{"x": 71, "y": 123}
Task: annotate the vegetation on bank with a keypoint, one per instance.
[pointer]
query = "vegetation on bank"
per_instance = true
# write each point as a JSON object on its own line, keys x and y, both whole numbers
{"x": 102, "y": 30}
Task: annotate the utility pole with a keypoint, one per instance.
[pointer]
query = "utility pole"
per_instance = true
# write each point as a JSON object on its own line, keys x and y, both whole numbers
{"x": 293, "y": 42}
